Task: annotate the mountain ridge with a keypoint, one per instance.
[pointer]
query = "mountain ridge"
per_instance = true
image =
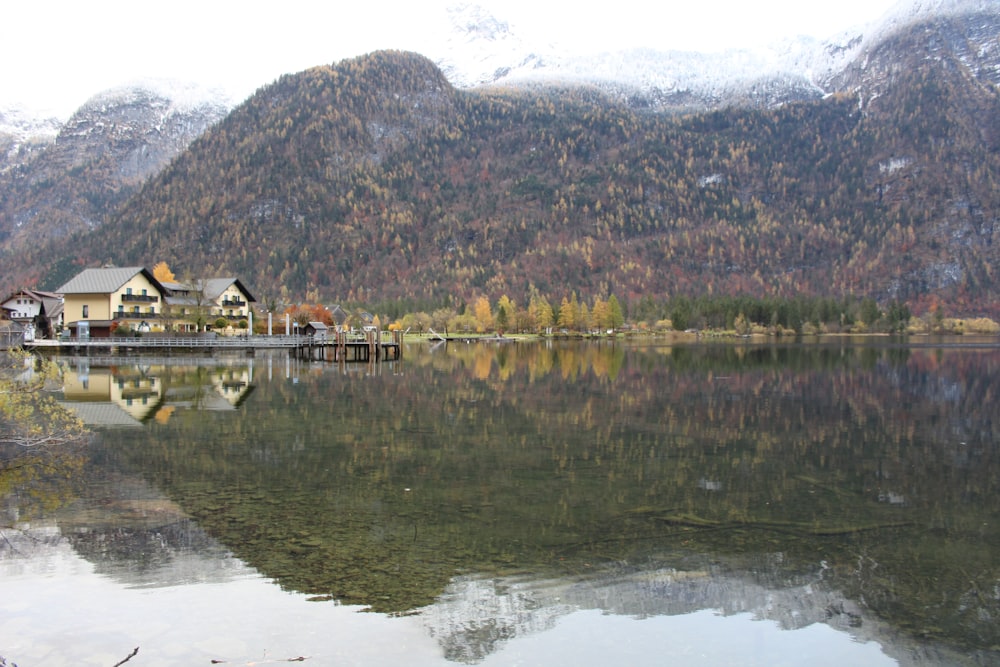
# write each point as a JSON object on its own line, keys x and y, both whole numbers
{"x": 377, "y": 171}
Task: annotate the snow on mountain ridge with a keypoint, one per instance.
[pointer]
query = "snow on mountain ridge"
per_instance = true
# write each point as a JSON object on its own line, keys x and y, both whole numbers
{"x": 25, "y": 125}
{"x": 180, "y": 95}
{"x": 478, "y": 49}
{"x": 473, "y": 47}
{"x": 491, "y": 53}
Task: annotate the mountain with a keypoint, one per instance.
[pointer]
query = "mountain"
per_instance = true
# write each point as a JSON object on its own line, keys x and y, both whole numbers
{"x": 377, "y": 177}
{"x": 478, "y": 49}
{"x": 21, "y": 134}
{"x": 60, "y": 178}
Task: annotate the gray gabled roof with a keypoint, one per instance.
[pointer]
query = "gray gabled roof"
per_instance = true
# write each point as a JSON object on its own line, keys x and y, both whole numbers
{"x": 216, "y": 286}
{"x": 105, "y": 281}
{"x": 210, "y": 289}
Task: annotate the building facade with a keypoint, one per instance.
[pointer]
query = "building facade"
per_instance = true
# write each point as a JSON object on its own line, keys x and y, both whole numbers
{"x": 38, "y": 311}
{"x": 112, "y": 301}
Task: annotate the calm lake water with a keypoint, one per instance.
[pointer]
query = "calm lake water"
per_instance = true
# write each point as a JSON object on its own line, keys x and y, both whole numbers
{"x": 525, "y": 503}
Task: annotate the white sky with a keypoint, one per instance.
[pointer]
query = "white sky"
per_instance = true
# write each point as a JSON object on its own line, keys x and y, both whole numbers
{"x": 55, "y": 54}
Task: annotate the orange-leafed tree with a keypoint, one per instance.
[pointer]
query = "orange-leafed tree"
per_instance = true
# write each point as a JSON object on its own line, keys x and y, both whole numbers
{"x": 163, "y": 273}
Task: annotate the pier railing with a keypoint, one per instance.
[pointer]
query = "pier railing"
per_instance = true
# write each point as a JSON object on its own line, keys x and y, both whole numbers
{"x": 184, "y": 342}
{"x": 363, "y": 345}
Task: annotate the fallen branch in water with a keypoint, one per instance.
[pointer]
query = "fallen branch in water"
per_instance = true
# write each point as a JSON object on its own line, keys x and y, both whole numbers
{"x": 128, "y": 657}
{"x": 792, "y": 527}
{"x": 300, "y": 658}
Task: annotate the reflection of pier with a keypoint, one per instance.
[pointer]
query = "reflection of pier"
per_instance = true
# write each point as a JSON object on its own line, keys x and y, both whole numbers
{"x": 366, "y": 346}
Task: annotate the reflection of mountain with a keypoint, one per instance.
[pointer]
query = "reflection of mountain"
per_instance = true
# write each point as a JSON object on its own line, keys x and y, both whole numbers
{"x": 129, "y": 391}
{"x": 129, "y": 532}
{"x": 554, "y": 459}
{"x": 476, "y": 617}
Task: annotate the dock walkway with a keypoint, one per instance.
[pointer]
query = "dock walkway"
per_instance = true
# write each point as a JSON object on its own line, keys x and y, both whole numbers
{"x": 367, "y": 346}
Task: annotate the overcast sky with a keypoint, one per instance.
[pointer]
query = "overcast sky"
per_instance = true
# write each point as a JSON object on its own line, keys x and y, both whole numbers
{"x": 56, "y": 54}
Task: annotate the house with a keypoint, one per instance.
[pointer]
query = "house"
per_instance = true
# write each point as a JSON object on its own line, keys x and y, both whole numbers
{"x": 339, "y": 316}
{"x": 317, "y": 330}
{"x": 199, "y": 304}
{"x": 35, "y": 309}
{"x": 231, "y": 301}
{"x": 112, "y": 300}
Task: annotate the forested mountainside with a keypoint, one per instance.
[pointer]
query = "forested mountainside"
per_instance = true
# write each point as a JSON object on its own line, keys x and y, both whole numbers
{"x": 374, "y": 178}
{"x": 54, "y": 188}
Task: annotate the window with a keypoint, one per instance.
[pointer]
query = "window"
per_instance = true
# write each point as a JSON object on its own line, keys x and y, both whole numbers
{"x": 86, "y": 311}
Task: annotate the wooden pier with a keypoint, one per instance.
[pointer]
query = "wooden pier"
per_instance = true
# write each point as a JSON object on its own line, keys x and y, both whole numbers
{"x": 370, "y": 346}
{"x": 367, "y": 346}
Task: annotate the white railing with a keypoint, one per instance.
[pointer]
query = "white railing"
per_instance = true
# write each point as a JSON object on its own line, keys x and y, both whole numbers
{"x": 189, "y": 342}
{"x": 236, "y": 342}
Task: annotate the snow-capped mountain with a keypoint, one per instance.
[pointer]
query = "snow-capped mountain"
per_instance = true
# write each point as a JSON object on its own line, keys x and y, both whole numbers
{"x": 145, "y": 124}
{"x": 57, "y": 180}
{"x": 20, "y": 124}
{"x": 179, "y": 109}
{"x": 479, "y": 49}
{"x": 928, "y": 70}
{"x": 23, "y": 132}
{"x": 475, "y": 47}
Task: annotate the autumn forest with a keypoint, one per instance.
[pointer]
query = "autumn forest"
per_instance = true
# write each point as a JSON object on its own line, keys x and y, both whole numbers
{"x": 374, "y": 181}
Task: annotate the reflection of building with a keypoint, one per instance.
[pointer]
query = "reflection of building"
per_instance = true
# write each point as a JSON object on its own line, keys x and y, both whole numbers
{"x": 123, "y": 395}
{"x": 130, "y": 393}
{"x": 232, "y": 385}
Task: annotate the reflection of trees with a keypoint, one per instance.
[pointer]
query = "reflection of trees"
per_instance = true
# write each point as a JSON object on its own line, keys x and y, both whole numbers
{"x": 40, "y": 442}
{"x": 36, "y": 482}
{"x": 378, "y": 490}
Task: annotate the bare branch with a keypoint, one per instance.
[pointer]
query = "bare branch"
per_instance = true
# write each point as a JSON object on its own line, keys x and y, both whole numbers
{"x": 128, "y": 657}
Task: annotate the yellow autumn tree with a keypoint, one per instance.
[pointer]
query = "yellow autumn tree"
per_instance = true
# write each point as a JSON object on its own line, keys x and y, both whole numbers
{"x": 484, "y": 314}
{"x": 600, "y": 314}
{"x": 163, "y": 273}
{"x": 505, "y": 312}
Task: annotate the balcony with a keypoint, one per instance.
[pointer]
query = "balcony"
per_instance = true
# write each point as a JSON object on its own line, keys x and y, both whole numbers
{"x": 139, "y": 298}
{"x": 235, "y": 302}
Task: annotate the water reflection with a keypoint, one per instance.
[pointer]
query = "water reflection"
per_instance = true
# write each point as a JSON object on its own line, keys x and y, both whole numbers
{"x": 501, "y": 491}
{"x": 121, "y": 392}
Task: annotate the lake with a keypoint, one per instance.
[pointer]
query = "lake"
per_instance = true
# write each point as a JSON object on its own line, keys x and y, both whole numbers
{"x": 528, "y": 503}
